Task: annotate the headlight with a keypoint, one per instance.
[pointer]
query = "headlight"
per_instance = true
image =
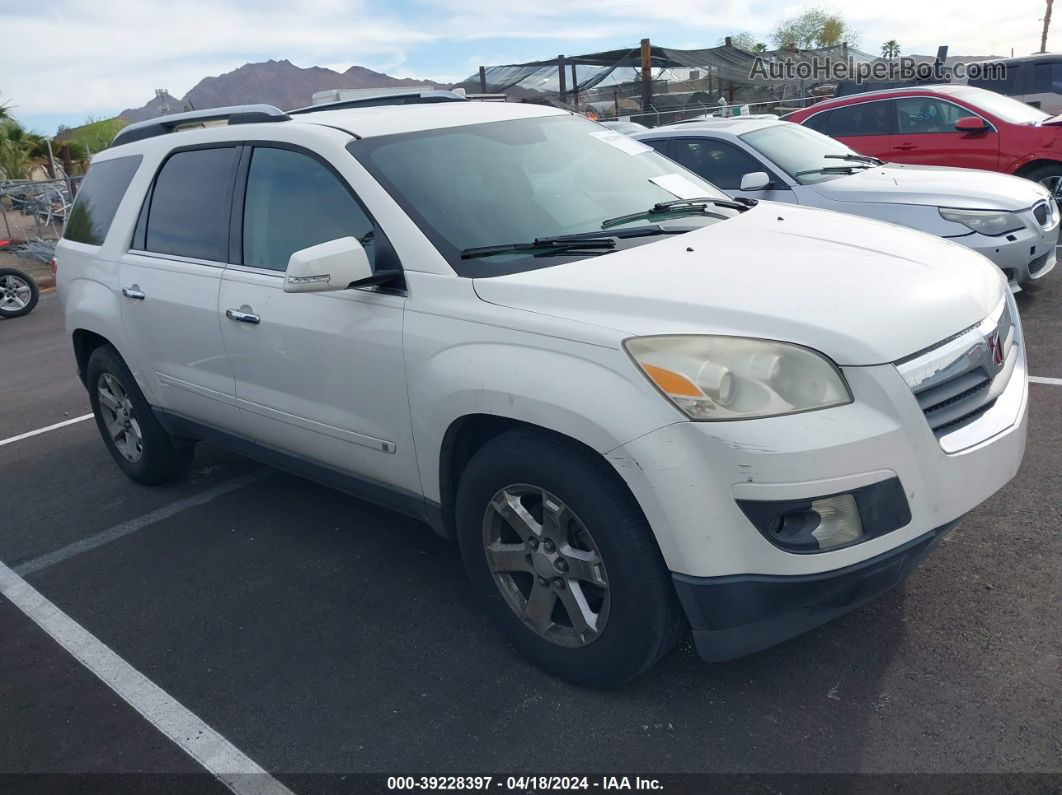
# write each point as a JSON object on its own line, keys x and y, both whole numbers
{"x": 987, "y": 222}
{"x": 730, "y": 378}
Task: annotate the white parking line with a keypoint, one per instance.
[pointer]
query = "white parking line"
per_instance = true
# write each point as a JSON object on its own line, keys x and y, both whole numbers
{"x": 39, "y": 431}
{"x": 131, "y": 526}
{"x": 221, "y": 758}
{"x": 1040, "y": 379}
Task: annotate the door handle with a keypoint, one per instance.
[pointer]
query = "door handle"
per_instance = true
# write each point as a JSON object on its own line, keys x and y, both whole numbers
{"x": 243, "y": 317}
{"x": 133, "y": 292}
{"x": 905, "y": 147}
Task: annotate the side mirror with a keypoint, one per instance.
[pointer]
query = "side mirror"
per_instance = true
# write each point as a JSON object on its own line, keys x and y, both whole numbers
{"x": 971, "y": 124}
{"x": 757, "y": 180}
{"x": 327, "y": 266}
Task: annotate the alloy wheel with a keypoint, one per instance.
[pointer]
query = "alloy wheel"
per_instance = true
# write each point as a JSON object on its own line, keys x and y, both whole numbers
{"x": 1054, "y": 185}
{"x": 546, "y": 565}
{"x": 15, "y": 293}
{"x": 120, "y": 418}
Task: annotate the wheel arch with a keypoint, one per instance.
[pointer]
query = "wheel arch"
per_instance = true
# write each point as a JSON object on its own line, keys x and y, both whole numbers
{"x": 468, "y": 433}
{"x": 1031, "y": 162}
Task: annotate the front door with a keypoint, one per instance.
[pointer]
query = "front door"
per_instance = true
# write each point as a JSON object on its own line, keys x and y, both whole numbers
{"x": 170, "y": 282}
{"x": 320, "y": 375}
{"x": 926, "y": 136}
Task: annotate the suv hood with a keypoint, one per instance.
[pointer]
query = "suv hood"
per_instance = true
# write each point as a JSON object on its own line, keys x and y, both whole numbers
{"x": 935, "y": 186}
{"x": 862, "y": 292}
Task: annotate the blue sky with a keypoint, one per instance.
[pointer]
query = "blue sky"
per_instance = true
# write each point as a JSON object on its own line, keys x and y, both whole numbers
{"x": 65, "y": 60}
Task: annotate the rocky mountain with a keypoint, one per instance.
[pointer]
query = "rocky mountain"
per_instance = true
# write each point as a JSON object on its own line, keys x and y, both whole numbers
{"x": 279, "y": 83}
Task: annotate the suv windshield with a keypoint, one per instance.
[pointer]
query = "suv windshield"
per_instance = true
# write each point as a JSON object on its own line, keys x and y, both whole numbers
{"x": 1007, "y": 109}
{"x": 799, "y": 151}
{"x": 506, "y": 182}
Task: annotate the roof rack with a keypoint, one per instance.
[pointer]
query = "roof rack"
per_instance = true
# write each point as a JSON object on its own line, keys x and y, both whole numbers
{"x": 377, "y": 100}
{"x": 235, "y": 114}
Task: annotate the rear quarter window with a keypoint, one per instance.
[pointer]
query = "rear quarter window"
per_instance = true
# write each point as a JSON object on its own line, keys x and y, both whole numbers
{"x": 98, "y": 198}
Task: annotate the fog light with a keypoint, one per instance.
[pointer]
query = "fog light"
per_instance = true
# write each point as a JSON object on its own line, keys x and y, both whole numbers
{"x": 823, "y": 524}
{"x": 839, "y": 522}
{"x": 819, "y": 524}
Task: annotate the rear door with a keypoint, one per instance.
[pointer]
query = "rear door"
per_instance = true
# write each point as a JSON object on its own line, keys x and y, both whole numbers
{"x": 170, "y": 280}
{"x": 865, "y": 126}
{"x": 926, "y": 135}
{"x": 319, "y": 375}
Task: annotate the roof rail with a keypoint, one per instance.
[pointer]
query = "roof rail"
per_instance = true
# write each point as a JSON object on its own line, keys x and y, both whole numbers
{"x": 376, "y": 100}
{"x": 235, "y": 114}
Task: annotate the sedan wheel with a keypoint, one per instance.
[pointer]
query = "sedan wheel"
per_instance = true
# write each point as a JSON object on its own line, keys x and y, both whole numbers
{"x": 1054, "y": 185}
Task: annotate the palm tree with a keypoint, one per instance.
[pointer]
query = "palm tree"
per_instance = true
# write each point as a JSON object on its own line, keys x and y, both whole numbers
{"x": 890, "y": 49}
{"x": 1047, "y": 24}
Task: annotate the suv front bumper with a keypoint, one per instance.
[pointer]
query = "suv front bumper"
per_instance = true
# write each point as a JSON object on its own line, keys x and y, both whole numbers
{"x": 742, "y": 592}
{"x": 737, "y": 615}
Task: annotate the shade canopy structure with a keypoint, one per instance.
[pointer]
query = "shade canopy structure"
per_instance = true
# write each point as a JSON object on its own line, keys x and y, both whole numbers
{"x": 696, "y": 77}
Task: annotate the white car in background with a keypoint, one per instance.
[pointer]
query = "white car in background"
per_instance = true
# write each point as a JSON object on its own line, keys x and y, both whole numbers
{"x": 1012, "y": 221}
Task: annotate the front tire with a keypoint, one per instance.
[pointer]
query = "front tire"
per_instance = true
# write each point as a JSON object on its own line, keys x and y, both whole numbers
{"x": 561, "y": 556}
{"x": 1050, "y": 176}
{"x": 137, "y": 442}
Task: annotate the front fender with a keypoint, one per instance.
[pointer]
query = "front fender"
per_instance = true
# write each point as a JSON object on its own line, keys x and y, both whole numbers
{"x": 1028, "y": 157}
{"x": 587, "y": 392}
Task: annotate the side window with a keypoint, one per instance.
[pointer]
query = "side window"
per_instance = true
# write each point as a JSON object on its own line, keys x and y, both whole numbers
{"x": 819, "y": 122}
{"x": 863, "y": 118}
{"x": 292, "y": 202}
{"x": 189, "y": 212}
{"x": 927, "y": 115}
{"x": 662, "y": 145}
{"x": 1047, "y": 79}
{"x": 718, "y": 162}
{"x": 98, "y": 198}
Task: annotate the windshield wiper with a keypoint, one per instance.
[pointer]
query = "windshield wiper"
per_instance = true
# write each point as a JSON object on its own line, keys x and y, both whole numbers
{"x": 877, "y": 161}
{"x": 831, "y": 170}
{"x": 580, "y": 240}
{"x": 697, "y": 205}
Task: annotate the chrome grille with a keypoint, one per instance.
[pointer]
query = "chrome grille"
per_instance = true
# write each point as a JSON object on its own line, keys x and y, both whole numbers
{"x": 1041, "y": 213}
{"x": 959, "y": 379}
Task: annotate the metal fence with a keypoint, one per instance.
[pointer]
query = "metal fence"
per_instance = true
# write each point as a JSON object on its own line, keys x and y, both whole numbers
{"x": 35, "y": 210}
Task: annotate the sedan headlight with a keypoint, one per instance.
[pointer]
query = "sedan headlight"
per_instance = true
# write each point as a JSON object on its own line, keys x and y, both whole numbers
{"x": 987, "y": 222}
{"x": 731, "y": 378}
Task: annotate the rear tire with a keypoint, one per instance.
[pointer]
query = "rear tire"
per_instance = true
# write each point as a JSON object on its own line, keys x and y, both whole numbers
{"x": 137, "y": 442}
{"x": 586, "y": 596}
{"x": 18, "y": 293}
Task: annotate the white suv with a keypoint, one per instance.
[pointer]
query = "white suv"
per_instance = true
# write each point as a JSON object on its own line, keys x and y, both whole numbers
{"x": 633, "y": 401}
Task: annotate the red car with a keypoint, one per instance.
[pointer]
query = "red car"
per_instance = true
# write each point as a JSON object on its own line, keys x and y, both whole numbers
{"x": 945, "y": 125}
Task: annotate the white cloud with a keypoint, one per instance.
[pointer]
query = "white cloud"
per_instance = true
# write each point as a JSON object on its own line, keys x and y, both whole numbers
{"x": 76, "y": 57}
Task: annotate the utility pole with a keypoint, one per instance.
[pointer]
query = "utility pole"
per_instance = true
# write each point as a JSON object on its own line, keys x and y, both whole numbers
{"x": 647, "y": 76}
{"x": 1047, "y": 24}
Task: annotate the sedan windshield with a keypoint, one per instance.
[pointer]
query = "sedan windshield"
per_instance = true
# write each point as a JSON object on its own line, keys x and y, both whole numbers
{"x": 804, "y": 154}
{"x": 513, "y": 182}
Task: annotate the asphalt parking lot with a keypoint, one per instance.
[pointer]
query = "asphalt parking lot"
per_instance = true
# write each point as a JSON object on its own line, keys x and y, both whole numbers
{"x": 322, "y": 635}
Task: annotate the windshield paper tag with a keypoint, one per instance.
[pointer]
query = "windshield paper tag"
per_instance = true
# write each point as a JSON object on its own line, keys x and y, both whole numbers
{"x": 678, "y": 185}
{"x": 622, "y": 142}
